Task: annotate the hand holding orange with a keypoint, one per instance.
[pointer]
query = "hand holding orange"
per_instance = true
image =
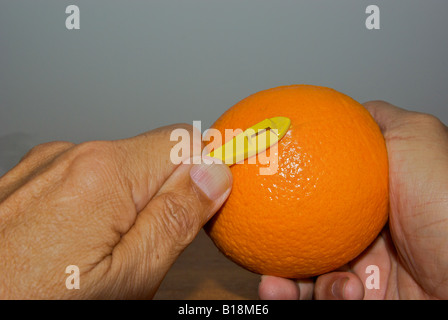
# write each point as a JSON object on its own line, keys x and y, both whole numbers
{"x": 327, "y": 200}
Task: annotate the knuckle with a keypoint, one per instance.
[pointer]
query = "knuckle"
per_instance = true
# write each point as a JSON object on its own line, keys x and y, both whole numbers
{"x": 428, "y": 119}
{"x": 425, "y": 121}
{"x": 186, "y": 134}
{"x": 167, "y": 130}
{"x": 90, "y": 164}
{"x": 374, "y": 103}
{"x": 92, "y": 153}
{"x": 179, "y": 219}
{"x": 92, "y": 147}
{"x": 185, "y": 126}
{"x": 416, "y": 126}
{"x": 44, "y": 149}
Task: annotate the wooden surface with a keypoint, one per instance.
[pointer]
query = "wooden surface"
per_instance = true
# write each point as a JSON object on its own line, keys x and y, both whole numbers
{"x": 202, "y": 272}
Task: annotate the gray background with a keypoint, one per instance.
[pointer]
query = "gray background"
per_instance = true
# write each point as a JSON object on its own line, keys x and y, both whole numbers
{"x": 136, "y": 65}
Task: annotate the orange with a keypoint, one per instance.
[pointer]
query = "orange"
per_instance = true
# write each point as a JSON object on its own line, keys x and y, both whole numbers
{"x": 328, "y": 199}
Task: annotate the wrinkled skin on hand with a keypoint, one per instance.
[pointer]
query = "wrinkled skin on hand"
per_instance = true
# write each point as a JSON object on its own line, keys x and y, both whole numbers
{"x": 119, "y": 210}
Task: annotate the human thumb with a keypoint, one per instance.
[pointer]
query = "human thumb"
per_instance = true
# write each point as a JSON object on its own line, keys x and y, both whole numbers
{"x": 172, "y": 219}
{"x": 186, "y": 201}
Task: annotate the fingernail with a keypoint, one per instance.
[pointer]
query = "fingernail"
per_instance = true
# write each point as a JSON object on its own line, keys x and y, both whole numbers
{"x": 337, "y": 289}
{"x": 213, "y": 179}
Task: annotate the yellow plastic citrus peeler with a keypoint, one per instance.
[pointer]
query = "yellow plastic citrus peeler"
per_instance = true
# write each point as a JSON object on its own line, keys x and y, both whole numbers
{"x": 252, "y": 141}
